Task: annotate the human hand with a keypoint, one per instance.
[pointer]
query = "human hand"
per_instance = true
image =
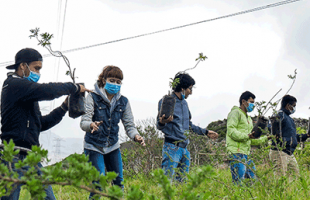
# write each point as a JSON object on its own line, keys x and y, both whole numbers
{"x": 94, "y": 126}
{"x": 139, "y": 138}
{"x": 83, "y": 89}
{"x": 251, "y": 135}
{"x": 212, "y": 135}
{"x": 162, "y": 119}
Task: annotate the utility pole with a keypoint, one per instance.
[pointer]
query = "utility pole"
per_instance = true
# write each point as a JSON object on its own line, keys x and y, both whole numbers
{"x": 57, "y": 152}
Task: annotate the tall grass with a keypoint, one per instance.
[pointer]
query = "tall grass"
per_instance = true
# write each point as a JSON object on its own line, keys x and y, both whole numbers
{"x": 141, "y": 164}
{"x": 220, "y": 187}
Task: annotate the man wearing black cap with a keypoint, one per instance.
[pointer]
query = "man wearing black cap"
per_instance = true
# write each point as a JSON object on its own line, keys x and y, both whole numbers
{"x": 21, "y": 118}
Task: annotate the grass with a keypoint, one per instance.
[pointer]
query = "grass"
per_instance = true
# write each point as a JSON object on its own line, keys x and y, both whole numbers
{"x": 217, "y": 185}
{"x": 220, "y": 186}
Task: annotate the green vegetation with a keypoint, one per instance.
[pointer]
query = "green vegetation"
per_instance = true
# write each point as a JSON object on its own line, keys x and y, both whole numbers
{"x": 215, "y": 185}
{"x": 209, "y": 177}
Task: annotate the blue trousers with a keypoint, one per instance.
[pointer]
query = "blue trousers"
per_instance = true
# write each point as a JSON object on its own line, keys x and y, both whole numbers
{"x": 112, "y": 161}
{"x": 241, "y": 170}
{"x": 15, "y": 193}
{"x": 174, "y": 157}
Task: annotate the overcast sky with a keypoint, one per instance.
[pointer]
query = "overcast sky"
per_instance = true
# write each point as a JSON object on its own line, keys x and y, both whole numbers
{"x": 254, "y": 51}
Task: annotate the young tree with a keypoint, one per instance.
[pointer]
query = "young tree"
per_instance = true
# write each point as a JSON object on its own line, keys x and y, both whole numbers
{"x": 76, "y": 102}
{"x": 167, "y": 106}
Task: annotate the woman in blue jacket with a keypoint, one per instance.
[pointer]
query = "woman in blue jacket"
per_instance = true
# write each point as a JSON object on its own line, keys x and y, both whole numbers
{"x": 105, "y": 107}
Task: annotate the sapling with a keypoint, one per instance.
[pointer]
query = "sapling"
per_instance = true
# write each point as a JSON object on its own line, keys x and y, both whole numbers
{"x": 293, "y": 77}
{"x": 76, "y": 101}
{"x": 263, "y": 108}
{"x": 275, "y": 118}
{"x": 261, "y": 121}
{"x": 168, "y": 103}
{"x": 174, "y": 82}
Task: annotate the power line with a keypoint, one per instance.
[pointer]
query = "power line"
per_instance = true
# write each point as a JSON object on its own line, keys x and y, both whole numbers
{"x": 52, "y": 106}
{"x": 62, "y": 35}
{"x": 52, "y": 103}
{"x": 58, "y": 15}
{"x": 177, "y": 27}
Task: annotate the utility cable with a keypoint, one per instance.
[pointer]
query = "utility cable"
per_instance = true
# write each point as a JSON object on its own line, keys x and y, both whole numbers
{"x": 52, "y": 104}
{"x": 62, "y": 36}
{"x": 60, "y": 54}
{"x": 173, "y": 28}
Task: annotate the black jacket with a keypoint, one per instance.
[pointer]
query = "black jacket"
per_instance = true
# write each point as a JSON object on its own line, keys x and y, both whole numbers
{"x": 21, "y": 118}
{"x": 289, "y": 136}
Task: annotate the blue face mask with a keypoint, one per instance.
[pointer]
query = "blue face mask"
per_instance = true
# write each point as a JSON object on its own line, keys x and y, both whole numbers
{"x": 250, "y": 108}
{"x": 33, "y": 76}
{"x": 183, "y": 96}
{"x": 112, "y": 88}
{"x": 293, "y": 111}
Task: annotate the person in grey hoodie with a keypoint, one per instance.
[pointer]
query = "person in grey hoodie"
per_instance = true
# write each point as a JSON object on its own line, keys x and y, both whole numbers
{"x": 105, "y": 107}
{"x": 175, "y": 153}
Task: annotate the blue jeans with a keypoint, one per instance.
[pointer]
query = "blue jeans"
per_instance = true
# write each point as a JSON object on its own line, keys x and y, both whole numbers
{"x": 112, "y": 161}
{"x": 15, "y": 193}
{"x": 241, "y": 170}
{"x": 175, "y": 157}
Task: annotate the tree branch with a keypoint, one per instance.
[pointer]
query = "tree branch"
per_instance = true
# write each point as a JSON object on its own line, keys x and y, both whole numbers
{"x": 18, "y": 181}
{"x": 270, "y": 102}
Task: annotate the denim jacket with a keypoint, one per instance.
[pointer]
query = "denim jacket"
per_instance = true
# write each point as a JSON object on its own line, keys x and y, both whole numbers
{"x": 181, "y": 123}
{"x": 98, "y": 108}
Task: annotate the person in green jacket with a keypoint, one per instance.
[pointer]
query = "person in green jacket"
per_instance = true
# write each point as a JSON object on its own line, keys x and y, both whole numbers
{"x": 240, "y": 137}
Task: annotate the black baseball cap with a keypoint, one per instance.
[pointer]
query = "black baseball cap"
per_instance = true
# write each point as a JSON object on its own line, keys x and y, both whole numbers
{"x": 26, "y": 55}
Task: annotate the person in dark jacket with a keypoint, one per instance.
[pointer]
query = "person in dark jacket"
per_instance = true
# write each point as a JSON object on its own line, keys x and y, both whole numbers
{"x": 283, "y": 147}
{"x": 21, "y": 118}
{"x": 175, "y": 153}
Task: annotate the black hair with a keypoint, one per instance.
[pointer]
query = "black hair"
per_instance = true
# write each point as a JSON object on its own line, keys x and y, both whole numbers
{"x": 246, "y": 96}
{"x": 288, "y": 99}
{"x": 17, "y": 66}
{"x": 185, "y": 81}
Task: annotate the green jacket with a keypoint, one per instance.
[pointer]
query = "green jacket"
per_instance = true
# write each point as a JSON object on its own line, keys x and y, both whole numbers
{"x": 239, "y": 126}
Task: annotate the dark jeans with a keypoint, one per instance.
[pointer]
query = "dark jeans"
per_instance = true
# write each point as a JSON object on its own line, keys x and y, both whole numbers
{"x": 112, "y": 161}
{"x": 175, "y": 157}
{"x": 241, "y": 170}
{"x": 15, "y": 193}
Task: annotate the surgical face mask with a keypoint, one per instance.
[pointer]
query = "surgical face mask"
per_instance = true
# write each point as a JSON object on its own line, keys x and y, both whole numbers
{"x": 294, "y": 110}
{"x": 183, "y": 95}
{"x": 112, "y": 88}
{"x": 33, "y": 76}
{"x": 250, "y": 108}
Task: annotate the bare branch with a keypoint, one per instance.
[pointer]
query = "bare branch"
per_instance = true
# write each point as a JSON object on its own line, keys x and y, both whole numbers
{"x": 45, "y": 43}
{"x": 270, "y": 102}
